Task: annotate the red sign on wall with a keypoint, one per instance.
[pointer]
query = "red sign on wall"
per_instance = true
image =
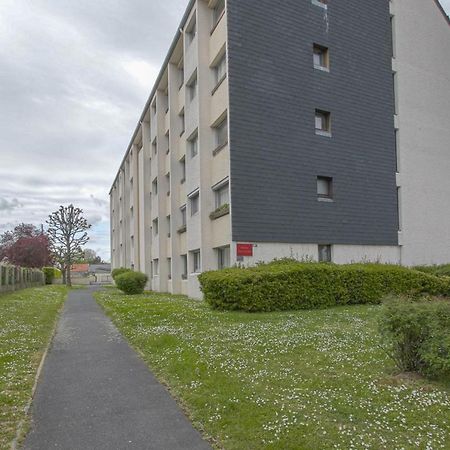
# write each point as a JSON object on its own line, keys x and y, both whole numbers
{"x": 244, "y": 249}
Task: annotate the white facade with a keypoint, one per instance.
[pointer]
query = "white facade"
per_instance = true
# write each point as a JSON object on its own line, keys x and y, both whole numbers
{"x": 422, "y": 65}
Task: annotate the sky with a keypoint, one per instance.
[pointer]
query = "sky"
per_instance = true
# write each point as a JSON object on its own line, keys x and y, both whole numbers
{"x": 74, "y": 77}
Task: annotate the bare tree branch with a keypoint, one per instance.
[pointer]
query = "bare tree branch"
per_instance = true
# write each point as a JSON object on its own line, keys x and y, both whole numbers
{"x": 67, "y": 230}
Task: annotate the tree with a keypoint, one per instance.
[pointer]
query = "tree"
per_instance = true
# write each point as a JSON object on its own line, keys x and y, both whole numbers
{"x": 90, "y": 257}
{"x": 26, "y": 246}
{"x": 67, "y": 229}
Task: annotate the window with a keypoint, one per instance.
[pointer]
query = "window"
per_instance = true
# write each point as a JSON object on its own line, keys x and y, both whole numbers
{"x": 168, "y": 184}
{"x": 193, "y": 145}
{"x": 169, "y": 268}
{"x": 182, "y": 122}
{"x": 184, "y": 267}
{"x": 154, "y": 148}
{"x": 168, "y": 226}
{"x": 220, "y": 70}
{"x": 324, "y": 253}
{"x": 321, "y": 3}
{"x": 323, "y": 123}
{"x": 183, "y": 169}
{"x": 394, "y": 87}
{"x": 183, "y": 215}
{"x": 155, "y": 227}
{"x": 223, "y": 257}
{"x": 181, "y": 77}
{"x": 393, "y": 36}
{"x": 320, "y": 57}
{"x": 218, "y": 11}
{"x": 222, "y": 195}
{"x": 221, "y": 134}
{"x": 195, "y": 202}
{"x": 196, "y": 263}
{"x": 324, "y": 188}
{"x": 192, "y": 88}
{"x": 155, "y": 186}
{"x": 155, "y": 267}
{"x": 397, "y": 147}
{"x": 191, "y": 30}
{"x": 154, "y": 108}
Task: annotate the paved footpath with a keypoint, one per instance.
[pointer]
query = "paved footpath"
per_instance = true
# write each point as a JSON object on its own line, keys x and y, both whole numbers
{"x": 96, "y": 393}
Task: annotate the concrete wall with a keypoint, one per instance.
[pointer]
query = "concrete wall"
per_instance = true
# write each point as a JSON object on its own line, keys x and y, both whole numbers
{"x": 341, "y": 254}
{"x": 422, "y": 63}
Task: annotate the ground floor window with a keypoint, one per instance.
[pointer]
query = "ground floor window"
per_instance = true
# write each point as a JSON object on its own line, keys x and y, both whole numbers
{"x": 196, "y": 262}
{"x": 184, "y": 267}
{"x": 223, "y": 257}
{"x": 325, "y": 253}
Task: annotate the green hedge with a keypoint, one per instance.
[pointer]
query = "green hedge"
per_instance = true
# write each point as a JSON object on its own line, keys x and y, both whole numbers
{"x": 50, "y": 274}
{"x": 440, "y": 271}
{"x": 286, "y": 285}
{"x": 417, "y": 335}
{"x": 119, "y": 271}
{"x": 131, "y": 282}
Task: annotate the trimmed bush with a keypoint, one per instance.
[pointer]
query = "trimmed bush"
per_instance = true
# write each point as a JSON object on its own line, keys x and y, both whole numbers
{"x": 439, "y": 271}
{"x": 119, "y": 271}
{"x": 417, "y": 335}
{"x": 50, "y": 274}
{"x": 289, "y": 285}
{"x": 131, "y": 282}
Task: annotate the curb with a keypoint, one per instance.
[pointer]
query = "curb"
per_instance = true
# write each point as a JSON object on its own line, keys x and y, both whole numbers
{"x": 20, "y": 427}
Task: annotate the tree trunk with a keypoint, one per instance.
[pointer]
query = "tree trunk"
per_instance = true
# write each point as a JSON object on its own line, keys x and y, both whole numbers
{"x": 69, "y": 278}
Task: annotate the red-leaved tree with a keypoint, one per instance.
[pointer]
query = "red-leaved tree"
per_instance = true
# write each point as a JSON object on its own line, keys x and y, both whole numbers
{"x": 25, "y": 246}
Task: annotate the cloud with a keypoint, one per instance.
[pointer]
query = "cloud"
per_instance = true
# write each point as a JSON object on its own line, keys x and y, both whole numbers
{"x": 6, "y": 205}
{"x": 74, "y": 77}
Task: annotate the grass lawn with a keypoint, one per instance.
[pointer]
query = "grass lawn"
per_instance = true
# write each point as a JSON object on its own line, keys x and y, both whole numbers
{"x": 27, "y": 319}
{"x": 298, "y": 380}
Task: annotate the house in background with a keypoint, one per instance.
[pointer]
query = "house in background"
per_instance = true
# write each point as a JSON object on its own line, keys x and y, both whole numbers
{"x": 101, "y": 273}
{"x": 303, "y": 128}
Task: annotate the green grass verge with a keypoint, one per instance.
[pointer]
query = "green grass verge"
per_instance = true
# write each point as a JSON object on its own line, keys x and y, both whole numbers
{"x": 292, "y": 380}
{"x": 27, "y": 320}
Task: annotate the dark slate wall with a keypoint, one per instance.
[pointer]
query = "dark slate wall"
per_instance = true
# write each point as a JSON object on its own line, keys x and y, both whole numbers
{"x": 275, "y": 154}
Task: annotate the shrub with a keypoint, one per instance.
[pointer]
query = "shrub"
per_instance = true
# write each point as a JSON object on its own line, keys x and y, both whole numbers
{"x": 119, "y": 271}
{"x": 50, "y": 274}
{"x": 131, "y": 282}
{"x": 417, "y": 335}
{"x": 289, "y": 285}
{"x": 440, "y": 271}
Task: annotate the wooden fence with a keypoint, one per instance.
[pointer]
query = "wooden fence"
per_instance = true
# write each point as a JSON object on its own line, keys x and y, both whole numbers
{"x": 13, "y": 278}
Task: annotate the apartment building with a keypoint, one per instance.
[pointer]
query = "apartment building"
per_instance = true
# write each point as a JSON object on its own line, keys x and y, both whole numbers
{"x": 313, "y": 129}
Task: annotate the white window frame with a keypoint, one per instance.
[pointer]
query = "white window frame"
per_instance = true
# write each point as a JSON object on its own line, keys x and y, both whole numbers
{"x": 322, "y": 122}
{"x": 193, "y": 144}
{"x": 196, "y": 261}
{"x": 220, "y": 137}
{"x": 223, "y": 257}
{"x": 325, "y": 194}
{"x": 192, "y": 87}
{"x": 222, "y": 193}
{"x": 183, "y": 216}
{"x": 194, "y": 200}
{"x": 220, "y": 69}
{"x": 184, "y": 266}
{"x": 321, "y": 53}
